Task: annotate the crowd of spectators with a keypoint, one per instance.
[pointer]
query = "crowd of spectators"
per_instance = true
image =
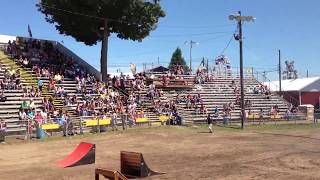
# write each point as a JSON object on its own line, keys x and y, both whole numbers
{"x": 11, "y": 80}
{"x": 95, "y": 98}
{"x": 194, "y": 102}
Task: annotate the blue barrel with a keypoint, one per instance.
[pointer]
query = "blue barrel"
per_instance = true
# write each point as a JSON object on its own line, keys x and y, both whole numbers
{"x": 40, "y": 133}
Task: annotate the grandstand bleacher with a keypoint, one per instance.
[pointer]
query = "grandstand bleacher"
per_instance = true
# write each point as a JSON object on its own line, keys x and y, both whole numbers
{"x": 215, "y": 93}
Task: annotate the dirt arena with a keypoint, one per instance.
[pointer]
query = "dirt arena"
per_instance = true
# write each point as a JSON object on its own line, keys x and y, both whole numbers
{"x": 179, "y": 152}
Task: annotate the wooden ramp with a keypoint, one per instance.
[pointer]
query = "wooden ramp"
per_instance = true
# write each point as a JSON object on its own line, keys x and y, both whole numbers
{"x": 112, "y": 175}
{"x": 133, "y": 165}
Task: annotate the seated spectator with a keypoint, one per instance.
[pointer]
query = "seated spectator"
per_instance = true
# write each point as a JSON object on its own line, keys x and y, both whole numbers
{"x": 52, "y": 84}
{"x": 238, "y": 102}
{"x": 231, "y": 105}
{"x": 233, "y": 83}
{"x": 25, "y": 105}
{"x": 236, "y": 90}
{"x": 30, "y": 114}
{"x": 216, "y": 112}
{"x": 25, "y": 62}
{"x": 3, "y": 98}
{"x": 40, "y": 84}
{"x": 203, "y": 109}
{"x": 22, "y": 115}
{"x": 267, "y": 94}
{"x": 58, "y": 78}
{"x": 60, "y": 92}
{"x": 255, "y": 90}
{"x": 31, "y": 104}
{"x": 3, "y": 125}
{"x": 44, "y": 115}
{"x": 248, "y": 103}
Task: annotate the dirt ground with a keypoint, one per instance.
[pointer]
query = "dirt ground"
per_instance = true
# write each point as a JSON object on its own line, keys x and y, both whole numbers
{"x": 179, "y": 152}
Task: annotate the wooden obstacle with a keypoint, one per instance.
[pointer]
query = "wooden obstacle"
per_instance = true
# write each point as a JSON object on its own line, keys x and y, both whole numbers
{"x": 133, "y": 165}
{"x": 112, "y": 175}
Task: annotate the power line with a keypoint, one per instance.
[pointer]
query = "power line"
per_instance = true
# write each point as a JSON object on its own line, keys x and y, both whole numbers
{"x": 195, "y": 34}
{"x": 110, "y": 19}
{"x": 214, "y": 38}
{"x": 194, "y": 27}
{"x": 227, "y": 45}
{"x": 72, "y": 12}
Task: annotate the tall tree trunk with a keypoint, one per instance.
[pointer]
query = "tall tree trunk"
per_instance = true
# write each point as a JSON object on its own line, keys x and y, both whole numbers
{"x": 104, "y": 53}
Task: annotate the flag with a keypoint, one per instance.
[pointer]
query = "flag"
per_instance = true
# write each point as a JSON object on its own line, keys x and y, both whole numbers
{"x": 133, "y": 68}
{"x": 29, "y": 31}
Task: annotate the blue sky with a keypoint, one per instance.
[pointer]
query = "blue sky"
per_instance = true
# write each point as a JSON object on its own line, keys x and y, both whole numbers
{"x": 290, "y": 25}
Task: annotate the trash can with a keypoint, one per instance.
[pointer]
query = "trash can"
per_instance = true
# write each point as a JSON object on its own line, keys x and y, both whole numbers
{"x": 2, "y": 135}
{"x": 103, "y": 128}
{"x": 226, "y": 120}
{"x": 40, "y": 133}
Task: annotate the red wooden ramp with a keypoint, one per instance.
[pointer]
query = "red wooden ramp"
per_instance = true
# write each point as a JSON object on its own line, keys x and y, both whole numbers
{"x": 83, "y": 154}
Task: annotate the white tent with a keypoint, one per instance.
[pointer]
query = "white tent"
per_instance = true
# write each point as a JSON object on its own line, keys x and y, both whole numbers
{"x": 6, "y": 38}
{"x": 297, "y": 87}
{"x": 301, "y": 85}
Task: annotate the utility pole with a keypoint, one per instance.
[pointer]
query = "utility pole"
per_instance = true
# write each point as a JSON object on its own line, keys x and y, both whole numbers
{"x": 191, "y": 43}
{"x": 307, "y": 73}
{"x": 208, "y": 66}
{"x": 280, "y": 89}
{"x": 158, "y": 60}
{"x": 239, "y": 18}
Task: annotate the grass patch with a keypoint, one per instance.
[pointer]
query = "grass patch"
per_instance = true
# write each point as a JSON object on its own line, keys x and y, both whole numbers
{"x": 202, "y": 128}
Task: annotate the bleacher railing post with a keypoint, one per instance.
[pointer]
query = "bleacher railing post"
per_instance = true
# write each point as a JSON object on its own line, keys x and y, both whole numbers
{"x": 98, "y": 128}
{"x": 81, "y": 126}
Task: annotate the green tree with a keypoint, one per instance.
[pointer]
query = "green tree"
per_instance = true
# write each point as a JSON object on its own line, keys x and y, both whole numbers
{"x": 92, "y": 21}
{"x": 177, "y": 59}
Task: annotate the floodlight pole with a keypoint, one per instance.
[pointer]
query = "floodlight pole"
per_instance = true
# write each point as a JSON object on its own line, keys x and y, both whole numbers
{"x": 240, "y": 18}
{"x": 280, "y": 89}
{"x": 191, "y": 45}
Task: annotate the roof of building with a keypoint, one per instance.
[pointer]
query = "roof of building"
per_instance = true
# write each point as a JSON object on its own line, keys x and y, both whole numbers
{"x": 159, "y": 69}
{"x": 303, "y": 85}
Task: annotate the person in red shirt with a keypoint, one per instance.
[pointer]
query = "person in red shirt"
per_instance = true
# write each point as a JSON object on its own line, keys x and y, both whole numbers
{"x": 38, "y": 118}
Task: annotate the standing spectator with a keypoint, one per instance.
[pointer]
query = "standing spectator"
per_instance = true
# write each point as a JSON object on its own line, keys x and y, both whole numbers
{"x": 3, "y": 98}
{"x": 114, "y": 121}
{"x": 216, "y": 112}
{"x": 261, "y": 113}
{"x": 209, "y": 120}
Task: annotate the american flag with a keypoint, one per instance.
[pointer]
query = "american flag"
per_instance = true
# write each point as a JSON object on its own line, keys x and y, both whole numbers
{"x": 29, "y": 31}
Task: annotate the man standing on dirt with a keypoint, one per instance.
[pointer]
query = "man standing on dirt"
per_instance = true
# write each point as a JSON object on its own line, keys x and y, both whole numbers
{"x": 114, "y": 121}
{"x": 209, "y": 119}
